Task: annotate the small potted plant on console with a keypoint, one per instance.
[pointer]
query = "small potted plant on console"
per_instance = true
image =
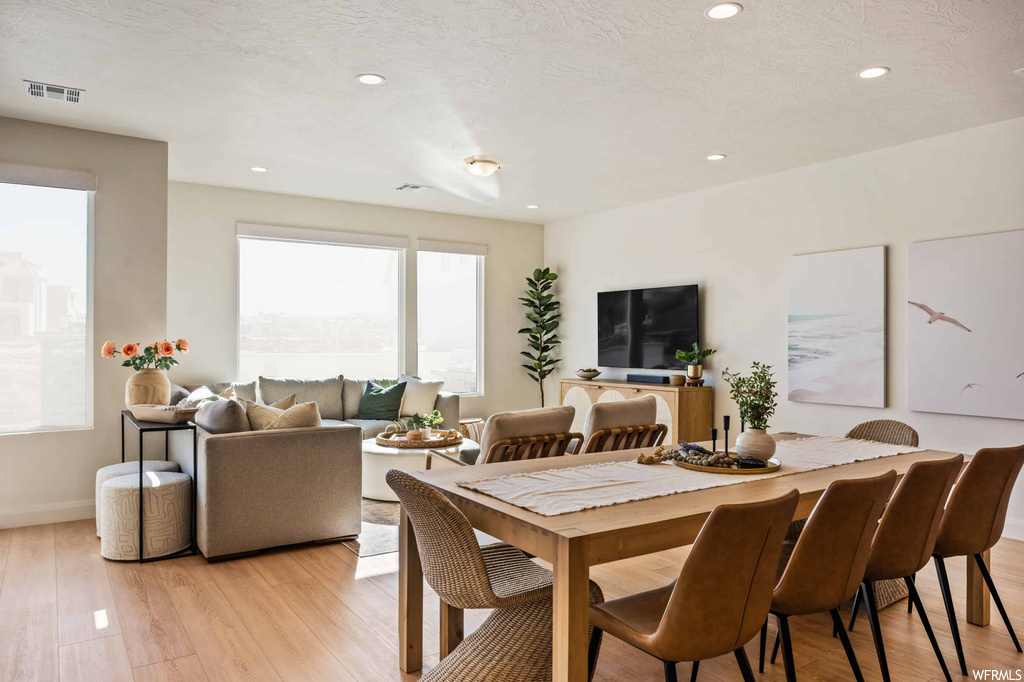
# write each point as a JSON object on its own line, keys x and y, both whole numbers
{"x": 694, "y": 370}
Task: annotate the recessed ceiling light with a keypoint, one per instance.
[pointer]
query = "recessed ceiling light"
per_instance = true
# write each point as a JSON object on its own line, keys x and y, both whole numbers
{"x": 532, "y": 206}
{"x": 481, "y": 166}
{"x": 258, "y": 169}
{"x": 874, "y": 72}
{"x": 370, "y": 79}
{"x": 725, "y": 10}
{"x": 715, "y": 157}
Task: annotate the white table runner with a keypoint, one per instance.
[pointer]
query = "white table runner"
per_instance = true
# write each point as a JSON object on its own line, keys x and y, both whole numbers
{"x": 552, "y": 492}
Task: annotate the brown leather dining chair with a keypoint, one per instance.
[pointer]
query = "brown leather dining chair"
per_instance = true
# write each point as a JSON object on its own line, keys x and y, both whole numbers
{"x": 623, "y": 425}
{"x": 721, "y": 597}
{"x": 905, "y": 540}
{"x": 824, "y": 568}
{"x": 973, "y": 522}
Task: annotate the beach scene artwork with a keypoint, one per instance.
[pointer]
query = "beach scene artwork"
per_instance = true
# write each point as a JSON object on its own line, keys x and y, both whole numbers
{"x": 964, "y": 301}
{"x": 837, "y": 327}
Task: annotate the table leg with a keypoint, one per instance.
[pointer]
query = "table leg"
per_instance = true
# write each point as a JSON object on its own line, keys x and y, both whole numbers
{"x": 141, "y": 553}
{"x": 978, "y": 601}
{"x": 451, "y": 628}
{"x": 410, "y": 598}
{"x": 571, "y": 619}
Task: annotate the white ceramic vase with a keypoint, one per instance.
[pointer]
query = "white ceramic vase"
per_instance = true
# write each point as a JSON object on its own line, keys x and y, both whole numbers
{"x": 756, "y": 444}
{"x": 427, "y": 432}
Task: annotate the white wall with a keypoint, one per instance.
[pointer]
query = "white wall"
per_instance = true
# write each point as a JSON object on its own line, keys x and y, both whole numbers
{"x": 202, "y": 276}
{"x": 734, "y": 242}
{"x": 50, "y": 476}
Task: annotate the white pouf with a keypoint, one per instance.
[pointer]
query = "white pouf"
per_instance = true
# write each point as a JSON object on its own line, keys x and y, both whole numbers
{"x": 114, "y": 470}
{"x": 167, "y": 506}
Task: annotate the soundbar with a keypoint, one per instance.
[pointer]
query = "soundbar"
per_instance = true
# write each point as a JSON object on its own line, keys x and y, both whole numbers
{"x": 647, "y": 378}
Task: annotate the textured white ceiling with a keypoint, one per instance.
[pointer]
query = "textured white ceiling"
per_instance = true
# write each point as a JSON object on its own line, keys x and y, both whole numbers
{"x": 588, "y": 104}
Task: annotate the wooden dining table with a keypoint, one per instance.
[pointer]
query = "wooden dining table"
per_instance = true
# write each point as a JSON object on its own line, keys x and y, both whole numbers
{"x": 574, "y": 542}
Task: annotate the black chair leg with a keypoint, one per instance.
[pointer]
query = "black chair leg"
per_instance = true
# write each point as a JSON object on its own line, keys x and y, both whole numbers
{"x": 744, "y": 664}
{"x": 995, "y": 596}
{"x": 787, "y": 648}
{"x": 910, "y": 602}
{"x": 856, "y": 608}
{"x": 595, "y": 648}
{"x": 868, "y": 592}
{"x": 764, "y": 642}
{"x": 947, "y": 599}
{"x": 670, "y": 672}
{"x": 693, "y": 671}
{"x": 837, "y": 625}
{"x": 927, "y": 627}
{"x": 775, "y": 648}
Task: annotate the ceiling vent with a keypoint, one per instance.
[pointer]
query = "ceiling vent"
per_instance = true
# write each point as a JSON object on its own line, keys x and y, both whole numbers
{"x": 54, "y": 92}
{"x": 412, "y": 188}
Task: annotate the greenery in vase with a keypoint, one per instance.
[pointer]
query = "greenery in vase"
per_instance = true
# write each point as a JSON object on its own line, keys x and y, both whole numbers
{"x": 541, "y": 335}
{"x": 754, "y": 394}
{"x": 420, "y": 422}
{"x": 693, "y": 357}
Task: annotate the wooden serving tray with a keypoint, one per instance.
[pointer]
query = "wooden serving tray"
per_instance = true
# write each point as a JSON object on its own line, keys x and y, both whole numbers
{"x": 773, "y": 465}
{"x": 399, "y": 439}
{"x": 164, "y": 414}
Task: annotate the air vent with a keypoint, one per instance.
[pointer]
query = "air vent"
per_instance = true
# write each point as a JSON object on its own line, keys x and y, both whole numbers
{"x": 412, "y": 188}
{"x": 58, "y": 93}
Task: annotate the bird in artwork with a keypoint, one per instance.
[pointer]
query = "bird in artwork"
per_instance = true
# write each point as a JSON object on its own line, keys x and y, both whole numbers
{"x": 1020, "y": 375}
{"x": 967, "y": 387}
{"x": 935, "y": 317}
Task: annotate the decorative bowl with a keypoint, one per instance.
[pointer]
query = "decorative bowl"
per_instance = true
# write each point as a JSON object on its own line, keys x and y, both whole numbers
{"x": 587, "y": 374}
{"x": 165, "y": 414}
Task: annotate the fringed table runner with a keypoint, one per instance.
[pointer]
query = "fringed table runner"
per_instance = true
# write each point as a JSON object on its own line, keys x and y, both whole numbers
{"x": 552, "y": 492}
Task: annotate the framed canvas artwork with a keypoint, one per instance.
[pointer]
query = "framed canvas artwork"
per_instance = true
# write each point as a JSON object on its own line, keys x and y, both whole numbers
{"x": 965, "y": 298}
{"x": 837, "y": 327}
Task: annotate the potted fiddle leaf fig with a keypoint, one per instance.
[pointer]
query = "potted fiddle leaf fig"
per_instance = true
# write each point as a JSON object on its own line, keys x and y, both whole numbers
{"x": 542, "y": 313}
{"x": 692, "y": 358}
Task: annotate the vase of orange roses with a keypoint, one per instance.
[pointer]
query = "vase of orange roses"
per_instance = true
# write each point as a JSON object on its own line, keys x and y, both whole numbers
{"x": 149, "y": 385}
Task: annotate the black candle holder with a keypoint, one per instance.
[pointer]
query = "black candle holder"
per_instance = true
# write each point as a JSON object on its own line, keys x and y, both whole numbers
{"x": 725, "y": 426}
{"x": 714, "y": 439}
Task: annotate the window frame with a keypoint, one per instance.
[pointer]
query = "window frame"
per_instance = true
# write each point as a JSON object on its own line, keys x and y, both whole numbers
{"x": 83, "y": 182}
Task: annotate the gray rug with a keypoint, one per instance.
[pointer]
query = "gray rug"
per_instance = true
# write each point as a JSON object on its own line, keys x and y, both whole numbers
{"x": 379, "y": 534}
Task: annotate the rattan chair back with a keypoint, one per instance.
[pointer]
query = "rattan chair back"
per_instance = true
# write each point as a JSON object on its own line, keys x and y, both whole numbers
{"x": 530, "y": 447}
{"x": 625, "y": 438}
{"x": 885, "y": 431}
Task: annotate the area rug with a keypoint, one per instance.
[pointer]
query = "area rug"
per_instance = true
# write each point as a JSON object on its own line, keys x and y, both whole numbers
{"x": 379, "y": 533}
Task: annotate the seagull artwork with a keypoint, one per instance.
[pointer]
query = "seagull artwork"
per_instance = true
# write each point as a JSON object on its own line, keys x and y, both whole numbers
{"x": 935, "y": 317}
{"x": 1020, "y": 375}
{"x": 967, "y": 387}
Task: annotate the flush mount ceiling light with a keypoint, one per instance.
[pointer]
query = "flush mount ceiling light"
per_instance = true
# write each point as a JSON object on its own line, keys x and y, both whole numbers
{"x": 725, "y": 10}
{"x": 715, "y": 157}
{"x": 258, "y": 169}
{"x": 532, "y": 206}
{"x": 874, "y": 72}
{"x": 370, "y": 79}
{"x": 481, "y": 166}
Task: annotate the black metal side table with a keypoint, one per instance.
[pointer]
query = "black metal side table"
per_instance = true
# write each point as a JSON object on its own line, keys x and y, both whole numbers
{"x": 143, "y": 428}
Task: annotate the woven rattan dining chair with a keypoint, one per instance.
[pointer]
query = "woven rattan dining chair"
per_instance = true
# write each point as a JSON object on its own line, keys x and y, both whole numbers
{"x": 514, "y": 643}
{"x": 973, "y": 523}
{"x": 525, "y": 434}
{"x": 824, "y": 568}
{"x": 721, "y": 597}
{"x": 622, "y": 425}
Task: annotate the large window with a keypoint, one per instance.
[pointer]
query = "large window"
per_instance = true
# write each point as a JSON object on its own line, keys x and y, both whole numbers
{"x": 45, "y": 355}
{"x": 312, "y": 306}
{"x": 449, "y": 286}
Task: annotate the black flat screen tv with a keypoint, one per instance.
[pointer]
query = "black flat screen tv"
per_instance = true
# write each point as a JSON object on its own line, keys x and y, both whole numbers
{"x": 643, "y": 328}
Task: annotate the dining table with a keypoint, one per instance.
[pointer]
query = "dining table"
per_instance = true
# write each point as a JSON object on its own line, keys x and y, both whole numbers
{"x": 574, "y": 542}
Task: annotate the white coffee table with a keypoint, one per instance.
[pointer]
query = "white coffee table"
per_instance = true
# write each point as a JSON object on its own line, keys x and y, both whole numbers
{"x": 378, "y": 460}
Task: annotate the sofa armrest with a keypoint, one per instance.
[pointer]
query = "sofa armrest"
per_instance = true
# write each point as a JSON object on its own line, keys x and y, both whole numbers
{"x": 448, "y": 405}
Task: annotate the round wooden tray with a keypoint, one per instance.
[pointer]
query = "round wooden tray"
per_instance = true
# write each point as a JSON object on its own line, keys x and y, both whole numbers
{"x": 399, "y": 439}
{"x": 773, "y": 465}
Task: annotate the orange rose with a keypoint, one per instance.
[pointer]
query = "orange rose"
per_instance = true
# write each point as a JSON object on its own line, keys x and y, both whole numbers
{"x": 130, "y": 350}
{"x": 182, "y": 345}
{"x": 108, "y": 350}
{"x": 165, "y": 348}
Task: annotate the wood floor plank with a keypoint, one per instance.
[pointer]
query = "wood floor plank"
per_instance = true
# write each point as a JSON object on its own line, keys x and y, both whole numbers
{"x": 85, "y": 602}
{"x": 28, "y": 644}
{"x": 279, "y": 567}
{"x": 295, "y": 652}
{"x": 187, "y": 669}
{"x": 149, "y": 622}
{"x": 5, "y": 545}
{"x": 96, "y": 660}
{"x": 30, "y": 577}
{"x": 225, "y": 647}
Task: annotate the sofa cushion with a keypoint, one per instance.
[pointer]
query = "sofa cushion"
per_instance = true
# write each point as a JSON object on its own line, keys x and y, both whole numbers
{"x": 351, "y": 394}
{"x": 326, "y": 393}
{"x": 371, "y": 427}
{"x": 419, "y": 397}
{"x": 381, "y": 403}
{"x": 245, "y": 391}
{"x": 222, "y": 416}
{"x": 303, "y": 415}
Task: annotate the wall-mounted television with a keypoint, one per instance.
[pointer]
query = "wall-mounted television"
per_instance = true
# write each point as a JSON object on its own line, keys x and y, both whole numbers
{"x": 643, "y": 328}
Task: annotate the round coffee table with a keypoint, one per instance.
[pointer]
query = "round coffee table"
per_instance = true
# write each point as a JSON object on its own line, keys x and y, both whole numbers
{"x": 378, "y": 460}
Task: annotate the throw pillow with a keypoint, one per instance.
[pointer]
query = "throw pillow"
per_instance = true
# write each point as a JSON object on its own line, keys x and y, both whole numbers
{"x": 222, "y": 416}
{"x": 285, "y": 403}
{"x": 246, "y": 391}
{"x": 303, "y": 415}
{"x": 381, "y": 403}
{"x": 419, "y": 397}
{"x": 178, "y": 393}
{"x": 261, "y": 416}
{"x": 326, "y": 393}
{"x": 204, "y": 394}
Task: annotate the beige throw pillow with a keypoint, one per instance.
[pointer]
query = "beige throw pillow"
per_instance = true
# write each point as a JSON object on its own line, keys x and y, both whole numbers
{"x": 303, "y": 415}
{"x": 261, "y": 416}
{"x": 419, "y": 397}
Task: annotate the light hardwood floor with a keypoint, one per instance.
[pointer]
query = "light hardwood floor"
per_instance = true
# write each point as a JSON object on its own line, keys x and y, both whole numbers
{"x": 321, "y": 613}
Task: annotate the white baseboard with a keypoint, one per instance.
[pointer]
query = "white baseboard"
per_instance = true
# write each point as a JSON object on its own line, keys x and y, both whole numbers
{"x": 35, "y": 514}
{"x": 1014, "y": 529}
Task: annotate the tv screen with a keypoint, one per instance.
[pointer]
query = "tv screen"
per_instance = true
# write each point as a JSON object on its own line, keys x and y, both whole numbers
{"x": 643, "y": 328}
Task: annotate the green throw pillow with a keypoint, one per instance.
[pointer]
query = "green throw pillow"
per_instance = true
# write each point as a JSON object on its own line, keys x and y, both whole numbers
{"x": 381, "y": 403}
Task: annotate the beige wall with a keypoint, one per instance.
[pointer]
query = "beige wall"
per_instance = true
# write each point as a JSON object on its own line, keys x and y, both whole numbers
{"x": 734, "y": 241}
{"x": 202, "y": 276}
{"x": 50, "y": 476}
